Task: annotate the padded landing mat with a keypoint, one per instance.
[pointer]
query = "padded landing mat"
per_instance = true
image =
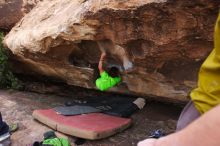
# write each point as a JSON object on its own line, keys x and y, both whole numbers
{"x": 75, "y": 110}
{"x": 89, "y": 126}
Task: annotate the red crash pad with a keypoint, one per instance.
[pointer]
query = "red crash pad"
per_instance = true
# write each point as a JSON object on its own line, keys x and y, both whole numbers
{"x": 89, "y": 126}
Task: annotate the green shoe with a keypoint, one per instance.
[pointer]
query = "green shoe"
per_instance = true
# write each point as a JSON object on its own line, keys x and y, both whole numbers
{"x": 13, "y": 127}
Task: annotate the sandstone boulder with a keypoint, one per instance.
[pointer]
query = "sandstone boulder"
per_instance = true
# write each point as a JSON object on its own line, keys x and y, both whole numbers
{"x": 158, "y": 45}
{"x": 11, "y": 11}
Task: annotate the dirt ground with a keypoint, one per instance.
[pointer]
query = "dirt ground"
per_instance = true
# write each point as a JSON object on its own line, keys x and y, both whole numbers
{"x": 17, "y": 107}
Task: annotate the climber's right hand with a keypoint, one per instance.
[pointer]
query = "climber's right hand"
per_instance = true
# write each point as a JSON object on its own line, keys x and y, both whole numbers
{"x": 103, "y": 55}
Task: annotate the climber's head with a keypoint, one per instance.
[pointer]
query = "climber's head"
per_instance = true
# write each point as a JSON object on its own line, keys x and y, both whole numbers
{"x": 113, "y": 72}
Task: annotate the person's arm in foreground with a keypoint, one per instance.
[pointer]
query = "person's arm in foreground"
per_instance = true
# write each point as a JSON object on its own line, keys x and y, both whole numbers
{"x": 205, "y": 131}
{"x": 101, "y": 63}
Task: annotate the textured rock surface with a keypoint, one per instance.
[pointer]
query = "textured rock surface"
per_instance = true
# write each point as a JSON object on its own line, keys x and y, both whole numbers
{"x": 11, "y": 11}
{"x": 161, "y": 43}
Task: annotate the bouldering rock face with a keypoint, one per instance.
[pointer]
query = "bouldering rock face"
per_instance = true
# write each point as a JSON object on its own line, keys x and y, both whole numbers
{"x": 158, "y": 45}
{"x": 11, "y": 11}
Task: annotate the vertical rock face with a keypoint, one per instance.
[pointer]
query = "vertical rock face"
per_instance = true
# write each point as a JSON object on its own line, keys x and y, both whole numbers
{"x": 11, "y": 11}
{"x": 157, "y": 45}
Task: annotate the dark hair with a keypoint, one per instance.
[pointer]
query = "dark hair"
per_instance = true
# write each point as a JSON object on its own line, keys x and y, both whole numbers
{"x": 113, "y": 72}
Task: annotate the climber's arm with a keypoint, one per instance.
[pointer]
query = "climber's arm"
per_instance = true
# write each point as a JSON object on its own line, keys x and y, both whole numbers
{"x": 101, "y": 70}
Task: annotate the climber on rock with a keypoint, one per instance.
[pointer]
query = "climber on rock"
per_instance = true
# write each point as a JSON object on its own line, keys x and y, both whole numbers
{"x": 108, "y": 79}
